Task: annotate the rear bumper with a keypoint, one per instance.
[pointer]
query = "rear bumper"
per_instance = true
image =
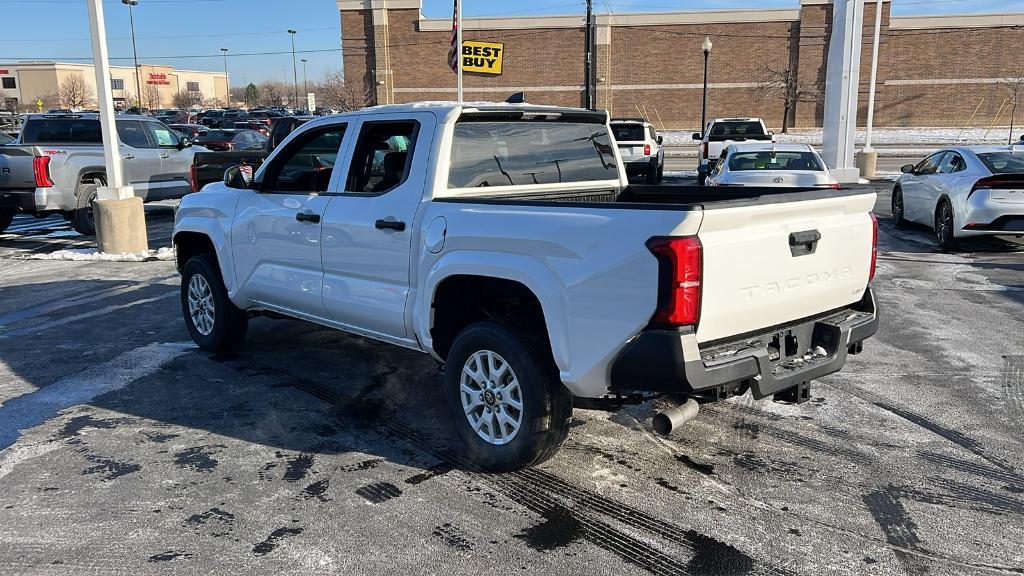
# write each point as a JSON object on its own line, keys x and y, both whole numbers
{"x": 20, "y": 199}
{"x": 985, "y": 215}
{"x": 638, "y": 167}
{"x": 673, "y": 362}
{"x": 1006, "y": 224}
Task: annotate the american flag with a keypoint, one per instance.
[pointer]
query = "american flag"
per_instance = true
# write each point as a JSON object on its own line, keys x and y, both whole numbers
{"x": 453, "y": 53}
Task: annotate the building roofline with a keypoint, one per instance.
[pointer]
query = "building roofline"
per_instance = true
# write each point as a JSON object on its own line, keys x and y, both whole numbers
{"x": 47, "y": 63}
{"x": 956, "y": 21}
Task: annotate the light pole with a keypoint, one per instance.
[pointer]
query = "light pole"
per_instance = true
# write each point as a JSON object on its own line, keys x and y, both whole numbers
{"x": 227, "y": 83}
{"x": 305, "y": 79}
{"x": 706, "y": 46}
{"x": 295, "y": 72}
{"x": 135, "y": 54}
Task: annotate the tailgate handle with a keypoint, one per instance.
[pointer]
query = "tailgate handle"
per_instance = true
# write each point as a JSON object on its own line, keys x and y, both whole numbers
{"x": 803, "y": 243}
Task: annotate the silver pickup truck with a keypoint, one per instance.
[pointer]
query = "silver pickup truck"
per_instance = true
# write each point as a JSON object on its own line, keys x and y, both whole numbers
{"x": 56, "y": 165}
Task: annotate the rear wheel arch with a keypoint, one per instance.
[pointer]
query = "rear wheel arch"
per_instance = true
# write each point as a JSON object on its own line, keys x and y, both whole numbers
{"x": 91, "y": 174}
{"x": 460, "y": 300}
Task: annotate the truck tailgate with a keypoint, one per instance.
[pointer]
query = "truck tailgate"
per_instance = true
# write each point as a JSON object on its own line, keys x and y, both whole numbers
{"x": 16, "y": 172}
{"x": 762, "y": 266}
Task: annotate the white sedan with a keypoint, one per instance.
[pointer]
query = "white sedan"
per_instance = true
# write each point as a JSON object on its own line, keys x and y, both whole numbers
{"x": 963, "y": 191}
{"x": 767, "y": 164}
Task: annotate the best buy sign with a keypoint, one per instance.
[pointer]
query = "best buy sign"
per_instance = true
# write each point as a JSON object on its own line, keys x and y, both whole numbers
{"x": 482, "y": 57}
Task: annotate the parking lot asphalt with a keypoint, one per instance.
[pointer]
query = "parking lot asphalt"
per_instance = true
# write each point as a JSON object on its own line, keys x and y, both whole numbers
{"x": 125, "y": 450}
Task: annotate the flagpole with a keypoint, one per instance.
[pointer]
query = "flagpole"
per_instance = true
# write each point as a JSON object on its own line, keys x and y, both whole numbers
{"x": 458, "y": 45}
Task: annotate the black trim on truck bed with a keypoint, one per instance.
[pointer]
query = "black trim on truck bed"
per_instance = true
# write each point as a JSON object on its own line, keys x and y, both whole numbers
{"x": 662, "y": 197}
{"x": 769, "y": 361}
{"x": 19, "y": 198}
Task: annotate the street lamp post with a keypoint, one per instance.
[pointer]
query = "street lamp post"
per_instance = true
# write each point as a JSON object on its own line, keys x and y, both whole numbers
{"x": 227, "y": 83}
{"x": 295, "y": 72}
{"x": 135, "y": 54}
{"x": 706, "y": 47}
{"x": 305, "y": 78}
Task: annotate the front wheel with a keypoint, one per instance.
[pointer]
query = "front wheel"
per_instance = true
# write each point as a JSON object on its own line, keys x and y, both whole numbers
{"x": 213, "y": 321}
{"x": 898, "y": 210}
{"x": 505, "y": 398}
{"x": 944, "y": 226}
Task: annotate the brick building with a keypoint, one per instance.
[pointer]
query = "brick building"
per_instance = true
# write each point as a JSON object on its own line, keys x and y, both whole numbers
{"x": 933, "y": 70}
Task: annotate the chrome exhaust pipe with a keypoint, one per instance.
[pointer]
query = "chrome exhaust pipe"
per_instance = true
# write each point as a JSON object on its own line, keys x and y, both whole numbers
{"x": 665, "y": 422}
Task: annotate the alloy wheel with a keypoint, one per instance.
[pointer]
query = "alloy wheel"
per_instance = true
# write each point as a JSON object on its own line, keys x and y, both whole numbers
{"x": 491, "y": 397}
{"x": 200, "y": 304}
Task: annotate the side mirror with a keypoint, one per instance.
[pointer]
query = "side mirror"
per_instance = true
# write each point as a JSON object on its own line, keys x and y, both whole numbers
{"x": 697, "y": 136}
{"x": 907, "y": 168}
{"x": 661, "y": 140}
{"x": 771, "y": 133}
{"x": 185, "y": 142}
{"x": 238, "y": 176}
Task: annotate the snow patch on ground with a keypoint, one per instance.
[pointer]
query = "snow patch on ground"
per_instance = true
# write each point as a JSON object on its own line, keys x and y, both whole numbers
{"x": 887, "y": 136}
{"x": 93, "y": 255}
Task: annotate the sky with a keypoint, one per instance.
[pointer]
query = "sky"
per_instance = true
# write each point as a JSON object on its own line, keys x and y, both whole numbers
{"x": 188, "y": 34}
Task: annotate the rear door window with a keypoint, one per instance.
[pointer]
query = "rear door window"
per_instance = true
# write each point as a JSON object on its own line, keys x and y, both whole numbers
{"x": 132, "y": 133}
{"x": 517, "y": 153}
{"x": 382, "y": 157}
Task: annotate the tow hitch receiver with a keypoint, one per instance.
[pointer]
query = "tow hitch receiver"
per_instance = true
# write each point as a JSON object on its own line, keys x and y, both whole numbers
{"x": 796, "y": 395}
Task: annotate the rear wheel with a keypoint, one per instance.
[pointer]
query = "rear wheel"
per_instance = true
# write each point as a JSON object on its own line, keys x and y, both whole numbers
{"x": 944, "y": 226}
{"x": 6, "y": 217}
{"x": 505, "y": 398}
{"x": 652, "y": 175}
{"x": 898, "y": 212}
{"x": 83, "y": 216}
{"x": 213, "y": 321}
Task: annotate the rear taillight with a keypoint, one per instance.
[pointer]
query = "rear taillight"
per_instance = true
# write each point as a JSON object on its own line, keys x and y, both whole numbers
{"x": 874, "y": 246}
{"x": 680, "y": 263}
{"x": 193, "y": 176}
{"x": 647, "y": 149}
{"x": 704, "y": 150}
{"x": 998, "y": 181}
{"x": 41, "y": 170}
{"x": 834, "y": 185}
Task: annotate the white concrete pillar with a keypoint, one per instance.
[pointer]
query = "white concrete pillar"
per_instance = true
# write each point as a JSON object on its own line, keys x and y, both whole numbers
{"x": 842, "y": 81}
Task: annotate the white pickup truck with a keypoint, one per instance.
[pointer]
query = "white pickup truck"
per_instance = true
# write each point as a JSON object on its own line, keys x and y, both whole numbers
{"x": 505, "y": 241}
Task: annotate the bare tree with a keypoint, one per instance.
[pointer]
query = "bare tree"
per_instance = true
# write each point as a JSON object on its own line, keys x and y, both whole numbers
{"x": 187, "y": 99}
{"x": 271, "y": 93}
{"x": 333, "y": 91}
{"x": 785, "y": 84}
{"x": 151, "y": 96}
{"x": 75, "y": 93}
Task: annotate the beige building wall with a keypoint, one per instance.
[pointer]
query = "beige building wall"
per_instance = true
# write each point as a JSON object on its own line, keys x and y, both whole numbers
{"x": 160, "y": 84}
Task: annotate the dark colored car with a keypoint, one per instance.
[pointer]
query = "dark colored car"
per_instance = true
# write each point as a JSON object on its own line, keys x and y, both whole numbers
{"x": 211, "y": 118}
{"x": 228, "y": 139}
{"x": 190, "y": 130}
{"x": 232, "y": 116}
{"x": 5, "y": 138}
{"x": 251, "y": 124}
{"x": 210, "y": 166}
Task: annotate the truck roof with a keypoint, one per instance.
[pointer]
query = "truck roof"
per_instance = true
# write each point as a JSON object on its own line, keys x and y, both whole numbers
{"x": 444, "y": 107}
{"x": 85, "y": 116}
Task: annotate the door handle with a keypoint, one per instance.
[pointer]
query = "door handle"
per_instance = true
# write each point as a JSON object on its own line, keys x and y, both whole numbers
{"x": 308, "y": 217}
{"x": 803, "y": 243}
{"x": 129, "y": 157}
{"x": 390, "y": 225}
{"x": 165, "y": 156}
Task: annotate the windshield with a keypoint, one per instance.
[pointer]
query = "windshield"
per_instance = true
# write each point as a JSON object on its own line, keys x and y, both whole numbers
{"x": 742, "y": 161}
{"x": 628, "y": 132}
{"x": 744, "y": 130}
{"x": 529, "y": 152}
{"x": 1003, "y": 162}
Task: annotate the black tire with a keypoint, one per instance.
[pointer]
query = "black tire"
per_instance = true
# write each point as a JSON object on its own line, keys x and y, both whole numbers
{"x": 661, "y": 173}
{"x": 652, "y": 174}
{"x": 944, "y": 225}
{"x": 230, "y": 323}
{"x": 6, "y": 217}
{"x": 898, "y": 209}
{"x": 83, "y": 220}
{"x": 546, "y": 403}
{"x": 701, "y": 179}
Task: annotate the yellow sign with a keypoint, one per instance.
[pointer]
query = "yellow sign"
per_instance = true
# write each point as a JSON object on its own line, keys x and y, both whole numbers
{"x": 39, "y": 104}
{"x": 482, "y": 57}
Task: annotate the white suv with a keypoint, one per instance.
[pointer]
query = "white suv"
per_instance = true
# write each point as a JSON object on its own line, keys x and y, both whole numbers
{"x": 640, "y": 148}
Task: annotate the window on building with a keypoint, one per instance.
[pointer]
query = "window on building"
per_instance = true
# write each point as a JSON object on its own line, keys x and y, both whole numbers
{"x": 117, "y": 84}
{"x": 10, "y": 83}
{"x": 193, "y": 86}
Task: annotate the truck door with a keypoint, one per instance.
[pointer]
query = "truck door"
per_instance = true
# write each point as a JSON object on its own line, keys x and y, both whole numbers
{"x": 175, "y": 162}
{"x": 275, "y": 236}
{"x": 368, "y": 227}
{"x": 141, "y": 159}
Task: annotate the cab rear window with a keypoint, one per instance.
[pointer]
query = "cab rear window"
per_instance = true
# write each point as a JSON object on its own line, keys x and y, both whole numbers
{"x": 62, "y": 131}
{"x": 518, "y": 153}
